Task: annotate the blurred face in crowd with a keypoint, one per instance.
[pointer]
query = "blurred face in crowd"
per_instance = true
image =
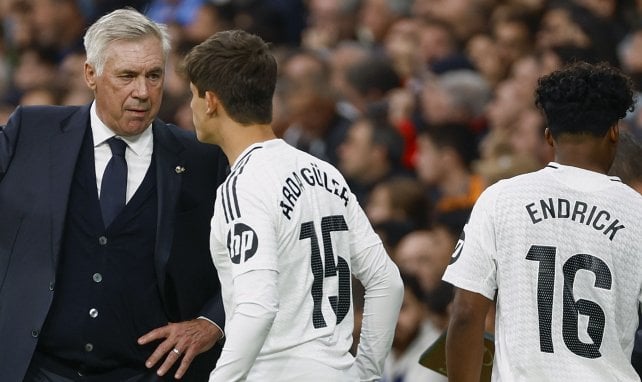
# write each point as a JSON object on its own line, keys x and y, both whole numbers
{"x": 341, "y": 59}
{"x": 329, "y": 21}
{"x": 528, "y": 136}
{"x": 435, "y": 42}
{"x": 525, "y": 72}
{"x": 513, "y": 40}
{"x": 306, "y": 95}
{"x": 410, "y": 319}
{"x": 504, "y": 108}
{"x": 49, "y": 19}
{"x": 426, "y": 255}
{"x": 375, "y": 17}
{"x": 379, "y": 205}
{"x": 557, "y": 28}
{"x": 400, "y": 43}
{"x": 429, "y": 160}
{"x": 206, "y": 22}
{"x": 129, "y": 91}
{"x": 437, "y": 104}
{"x": 355, "y": 152}
{"x": 484, "y": 53}
{"x": 463, "y": 16}
{"x": 33, "y": 71}
{"x": 632, "y": 55}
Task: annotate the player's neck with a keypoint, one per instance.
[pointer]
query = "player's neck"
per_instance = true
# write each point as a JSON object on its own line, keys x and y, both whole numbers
{"x": 585, "y": 151}
{"x": 584, "y": 157}
{"x": 586, "y": 165}
{"x": 241, "y": 137}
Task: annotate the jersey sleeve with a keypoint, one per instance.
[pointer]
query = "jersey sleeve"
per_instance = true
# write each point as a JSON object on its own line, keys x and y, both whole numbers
{"x": 472, "y": 266}
{"x": 362, "y": 235}
{"x": 248, "y": 328}
{"x": 383, "y": 295}
{"x": 250, "y": 228}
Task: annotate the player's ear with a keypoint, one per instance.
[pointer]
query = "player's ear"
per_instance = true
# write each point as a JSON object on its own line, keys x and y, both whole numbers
{"x": 614, "y": 132}
{"x": 212, "y": 103}
{"x": 549, "y": 137}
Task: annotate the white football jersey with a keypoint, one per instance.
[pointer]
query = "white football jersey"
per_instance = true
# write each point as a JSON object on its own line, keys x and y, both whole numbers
{"x": 284, "y": 210}
{"x": 561, "y": 250}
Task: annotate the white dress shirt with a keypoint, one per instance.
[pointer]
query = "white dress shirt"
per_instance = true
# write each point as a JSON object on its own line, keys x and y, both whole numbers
{"x": 138, "y": 153}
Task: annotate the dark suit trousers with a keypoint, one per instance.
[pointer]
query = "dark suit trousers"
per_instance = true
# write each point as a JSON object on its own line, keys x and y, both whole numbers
{"x": 42, "y": 369}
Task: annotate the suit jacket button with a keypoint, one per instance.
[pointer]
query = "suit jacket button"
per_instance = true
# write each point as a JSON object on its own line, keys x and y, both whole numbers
{"x": 102, "y": 240}
{"x": 35, "y": 333}
{"x": 51, "y": 286}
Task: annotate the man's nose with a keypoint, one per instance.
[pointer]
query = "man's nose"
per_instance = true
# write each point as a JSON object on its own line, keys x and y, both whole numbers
{"x": 140, "y": 88}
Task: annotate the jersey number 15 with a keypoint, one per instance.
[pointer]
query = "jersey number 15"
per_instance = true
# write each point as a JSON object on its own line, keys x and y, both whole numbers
{"x": 340, "y": 303}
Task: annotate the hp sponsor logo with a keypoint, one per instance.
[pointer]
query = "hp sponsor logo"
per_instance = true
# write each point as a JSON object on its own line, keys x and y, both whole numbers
{"x": 241, "y": 243}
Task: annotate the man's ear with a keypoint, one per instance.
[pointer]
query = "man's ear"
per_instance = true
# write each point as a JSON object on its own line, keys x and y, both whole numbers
{"x": 90, "y": 76}
{"x": 212, "y": 103}
{"x": 549, "y": 137}
{"x": 614, "y": 132}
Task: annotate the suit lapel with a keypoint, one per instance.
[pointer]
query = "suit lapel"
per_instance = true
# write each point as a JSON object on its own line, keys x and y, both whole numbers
{"x": 64, "y": 150}
{"x": 168, "y": 156}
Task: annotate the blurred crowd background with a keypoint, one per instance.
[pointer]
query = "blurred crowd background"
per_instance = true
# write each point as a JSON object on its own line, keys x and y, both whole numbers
{"x": 420, "y": 103}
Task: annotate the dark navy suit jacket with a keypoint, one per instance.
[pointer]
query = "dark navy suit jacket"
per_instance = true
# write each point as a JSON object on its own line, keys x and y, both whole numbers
{"x": 39, "y": 147}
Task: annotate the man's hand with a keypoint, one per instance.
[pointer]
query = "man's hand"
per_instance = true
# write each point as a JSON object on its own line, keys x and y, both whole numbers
{"x": 182, "y": 339}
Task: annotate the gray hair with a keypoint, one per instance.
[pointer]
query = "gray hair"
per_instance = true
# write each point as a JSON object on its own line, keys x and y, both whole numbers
{"x": 400, "y": 7}
{"x": 121, "y": 24}
{"x": 468, "y": 89}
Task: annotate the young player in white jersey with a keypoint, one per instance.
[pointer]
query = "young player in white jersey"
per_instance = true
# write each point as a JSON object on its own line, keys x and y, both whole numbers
{"x": 287, "y": 235}
{"x": 559, "y": 249}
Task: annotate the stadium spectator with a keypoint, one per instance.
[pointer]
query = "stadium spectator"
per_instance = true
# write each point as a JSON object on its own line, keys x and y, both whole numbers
{"x": 425, "y": 253}
{"x": 59, "y": 25}
{"x": 341, "y": 58}
{"x": 566, "y": 23}
{"x": 627, "y": 165}
{"x": 375, "y": 17}
{"x": 457, "y": 96}
{"x": 444, "y": 164}
{"x": 329, "y": 24}
{"x": 399, "y": 200}
{"x": 413, "y": 335}
{"x": 370, "y": 154}
{"x": 310, "y": 105}
{"x": 482, "y": 51}
{"x": 513, "y": 28}
{"x": 369, "y": 81}
{"x": 465, "y": 17}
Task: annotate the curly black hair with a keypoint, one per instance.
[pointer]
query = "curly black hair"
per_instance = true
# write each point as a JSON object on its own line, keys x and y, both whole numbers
{"x": 584, "y": 98}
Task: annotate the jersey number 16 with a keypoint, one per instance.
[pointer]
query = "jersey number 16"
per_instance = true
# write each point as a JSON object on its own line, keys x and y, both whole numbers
{"x": 570, "y": 307}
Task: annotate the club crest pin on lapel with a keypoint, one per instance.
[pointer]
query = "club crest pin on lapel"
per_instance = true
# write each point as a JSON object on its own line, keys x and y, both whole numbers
{"x": 179, "y": 169}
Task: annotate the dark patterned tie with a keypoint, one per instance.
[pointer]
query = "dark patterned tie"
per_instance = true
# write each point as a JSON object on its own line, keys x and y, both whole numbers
{"x": 113, "y": 188}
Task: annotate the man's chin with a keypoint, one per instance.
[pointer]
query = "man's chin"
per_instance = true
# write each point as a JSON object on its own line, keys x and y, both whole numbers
{"x": 135, "y": 127}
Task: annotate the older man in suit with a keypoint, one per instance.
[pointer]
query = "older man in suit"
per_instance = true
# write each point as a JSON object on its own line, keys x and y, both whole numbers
{"x": 105, "y": 272}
